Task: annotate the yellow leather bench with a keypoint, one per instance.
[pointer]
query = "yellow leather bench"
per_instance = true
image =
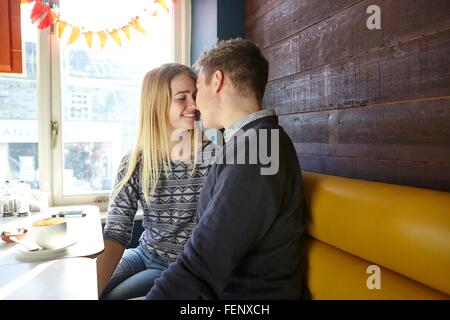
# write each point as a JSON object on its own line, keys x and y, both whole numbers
{"x": 355, "y": 224}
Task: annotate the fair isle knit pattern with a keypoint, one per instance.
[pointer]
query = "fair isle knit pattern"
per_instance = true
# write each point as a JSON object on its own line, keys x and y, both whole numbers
{"x": 169, "y": 221}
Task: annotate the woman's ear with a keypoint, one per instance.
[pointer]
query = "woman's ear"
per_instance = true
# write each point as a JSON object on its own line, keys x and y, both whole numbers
{"x": 218, "y": 80}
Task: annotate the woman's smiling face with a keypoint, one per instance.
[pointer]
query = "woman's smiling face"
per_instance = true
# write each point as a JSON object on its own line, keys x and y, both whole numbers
{"x": 182, "y": 108}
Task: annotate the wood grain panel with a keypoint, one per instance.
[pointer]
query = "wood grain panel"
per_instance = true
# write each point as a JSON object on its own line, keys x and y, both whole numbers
{"x": 346, "y": 35}
{"x": 360, "y": 103}
{"x": 258, "y": 8}
{"x": 290, "y": 17}
{"x": 405, "y": 173}
{"x": 410, "y": 132}
{"x": 413, "y": 70}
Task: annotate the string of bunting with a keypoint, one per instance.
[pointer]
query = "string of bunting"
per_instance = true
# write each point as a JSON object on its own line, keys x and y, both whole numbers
{"x": 49, "y": 16}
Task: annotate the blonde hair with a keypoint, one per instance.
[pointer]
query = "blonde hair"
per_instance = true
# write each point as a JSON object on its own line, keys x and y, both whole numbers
{"x": 152, "y": 147}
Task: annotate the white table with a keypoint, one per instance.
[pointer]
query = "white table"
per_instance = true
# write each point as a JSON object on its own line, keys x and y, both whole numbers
{"x": 65, "y": 279}
{"x": 57, "y": 277}
{"x": 87, "y": 230}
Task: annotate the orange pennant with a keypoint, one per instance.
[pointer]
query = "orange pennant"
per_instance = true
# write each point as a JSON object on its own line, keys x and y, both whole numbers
{"x": 102, "y": 36}
{"x": 136, "y": 25}
{"x": 39, "y": 10}
{"x": 48, "y": 20}
{"x": 74, "y": 35}
{"x": 115, "y": 35}
{"x": 88, "y": 36}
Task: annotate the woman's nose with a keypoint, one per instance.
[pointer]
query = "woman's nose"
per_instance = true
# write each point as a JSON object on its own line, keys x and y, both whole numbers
{"x": 191, "y": 102}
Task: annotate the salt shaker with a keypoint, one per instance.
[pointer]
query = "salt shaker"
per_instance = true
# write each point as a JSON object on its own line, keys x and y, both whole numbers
{"x": 7, "y": 201}
{"x": 2, "y": 197}
{"x": 22, "y": 200}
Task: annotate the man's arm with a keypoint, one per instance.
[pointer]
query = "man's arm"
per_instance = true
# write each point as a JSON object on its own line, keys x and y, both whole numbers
{"x": 243, "y": 207}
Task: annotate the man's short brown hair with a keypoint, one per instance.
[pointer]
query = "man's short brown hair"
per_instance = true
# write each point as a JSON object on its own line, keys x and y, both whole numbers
{"x": 242, "y": 61}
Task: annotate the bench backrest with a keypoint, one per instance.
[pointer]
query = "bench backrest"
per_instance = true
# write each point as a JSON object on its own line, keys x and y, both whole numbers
{"x": 354, "y": 224}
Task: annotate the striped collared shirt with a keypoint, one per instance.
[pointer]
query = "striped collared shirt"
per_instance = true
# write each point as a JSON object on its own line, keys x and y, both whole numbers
{"x": 229, "y": 132}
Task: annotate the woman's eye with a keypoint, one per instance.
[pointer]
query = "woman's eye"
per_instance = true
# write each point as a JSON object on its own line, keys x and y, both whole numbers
{"x": 181, "y": 99}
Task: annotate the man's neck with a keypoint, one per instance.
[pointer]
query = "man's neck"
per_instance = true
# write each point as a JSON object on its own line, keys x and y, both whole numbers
{"x": 239, "y": 109}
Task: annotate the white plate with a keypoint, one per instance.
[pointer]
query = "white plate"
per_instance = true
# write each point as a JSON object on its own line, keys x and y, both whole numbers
{"x": 46, "y": 253}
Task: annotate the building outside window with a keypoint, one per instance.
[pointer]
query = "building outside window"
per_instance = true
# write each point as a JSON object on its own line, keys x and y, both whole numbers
{"x": 79, "y": 107}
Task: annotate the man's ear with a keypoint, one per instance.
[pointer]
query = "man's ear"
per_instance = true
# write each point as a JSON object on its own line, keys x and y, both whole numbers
{"x": 217, "y": 80}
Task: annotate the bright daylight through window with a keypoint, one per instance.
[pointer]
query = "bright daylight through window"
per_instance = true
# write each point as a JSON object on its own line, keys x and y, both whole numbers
{"x": 95, "y": 98}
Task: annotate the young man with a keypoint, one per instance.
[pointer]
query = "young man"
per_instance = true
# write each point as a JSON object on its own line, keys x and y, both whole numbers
{"x": 251, "y": 223}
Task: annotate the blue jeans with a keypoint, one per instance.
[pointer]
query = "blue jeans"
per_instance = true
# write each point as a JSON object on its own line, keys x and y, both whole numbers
{"x": 135, "y": 275}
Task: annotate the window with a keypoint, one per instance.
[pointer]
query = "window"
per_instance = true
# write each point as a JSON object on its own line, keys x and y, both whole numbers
{"x": 88, "y": 96}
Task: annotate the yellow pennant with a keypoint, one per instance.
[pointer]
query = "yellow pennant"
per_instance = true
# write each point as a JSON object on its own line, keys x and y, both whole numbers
{"x": 115, "y": 35}
{"x": 126, "y": 30}
{"x": 74, "y": 35}
{"x": 137, "y": 26}
{"x": 163, "y": 4}
{"x": 103, "y": 36}
{"x": 88, "y": 36}
{"x": 61, "y": 26}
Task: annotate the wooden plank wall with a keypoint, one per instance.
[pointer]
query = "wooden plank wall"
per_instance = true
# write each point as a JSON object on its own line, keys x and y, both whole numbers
{"x": 360, "y": 103}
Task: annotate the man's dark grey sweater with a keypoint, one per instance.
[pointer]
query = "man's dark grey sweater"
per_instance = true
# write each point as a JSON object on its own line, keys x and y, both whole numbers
{"x": 249, "y": 239}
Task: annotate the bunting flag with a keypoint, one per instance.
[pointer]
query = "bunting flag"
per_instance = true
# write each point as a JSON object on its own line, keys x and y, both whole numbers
{"x": 47, "y": 16}
{"x": 163, "y": 4}
{"x": 115, "y": 35}
{"x": 74, "y": 35}
{"x": 43, "y": 13}
{"x": 103, "y": 37}
{"x": 61, "y": 25}
{"x": 126, "y": 30}
{"x": 134, "y": 22}
{"x": 88, "y": 36}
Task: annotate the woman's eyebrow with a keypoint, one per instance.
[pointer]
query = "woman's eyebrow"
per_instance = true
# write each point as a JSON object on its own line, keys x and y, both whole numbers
{"x": 185, "y": 91}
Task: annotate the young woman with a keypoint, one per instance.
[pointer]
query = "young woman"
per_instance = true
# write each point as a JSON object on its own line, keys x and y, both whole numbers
{"x": 163, "y": 177}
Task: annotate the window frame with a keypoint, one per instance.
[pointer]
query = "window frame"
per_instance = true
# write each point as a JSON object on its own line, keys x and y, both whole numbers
{"x": 50, "y": 106}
